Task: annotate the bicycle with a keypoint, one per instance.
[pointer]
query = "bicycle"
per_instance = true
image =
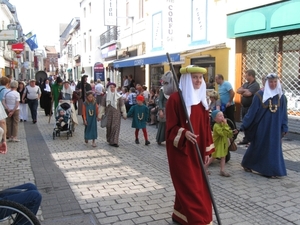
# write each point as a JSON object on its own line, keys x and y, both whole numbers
{"x": 12, "y": 213}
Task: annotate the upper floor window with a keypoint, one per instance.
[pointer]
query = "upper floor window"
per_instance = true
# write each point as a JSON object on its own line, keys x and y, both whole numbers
{"x": 90, "y": 7}
{"x": 84, "y": 12}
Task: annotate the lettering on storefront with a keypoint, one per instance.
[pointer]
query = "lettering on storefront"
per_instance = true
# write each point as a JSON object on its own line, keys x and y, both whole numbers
{"x": 170, "y": 22}
{"x": 199, "y": 18}
{"x": 138, "y": 62}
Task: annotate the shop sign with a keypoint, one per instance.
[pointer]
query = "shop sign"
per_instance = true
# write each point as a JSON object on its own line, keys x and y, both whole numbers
{"x": 8, "y": 35}
{"x": 98, "y": 71}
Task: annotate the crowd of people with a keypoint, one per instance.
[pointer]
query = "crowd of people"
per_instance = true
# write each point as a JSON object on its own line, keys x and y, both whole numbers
{"x": 264, "y": 122}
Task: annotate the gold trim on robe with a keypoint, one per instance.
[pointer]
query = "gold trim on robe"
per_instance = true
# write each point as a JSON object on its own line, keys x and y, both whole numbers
{"x": 177, "y": 138}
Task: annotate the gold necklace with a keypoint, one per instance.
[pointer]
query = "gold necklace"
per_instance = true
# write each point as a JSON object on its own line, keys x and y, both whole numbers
{"x": 140, "y": 118}
{"x": 91, "y": 112}
{"x": 272, "y": 106}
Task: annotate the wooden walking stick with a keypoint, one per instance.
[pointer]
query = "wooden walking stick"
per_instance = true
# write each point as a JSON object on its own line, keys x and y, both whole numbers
{"x": 197, "y": 146}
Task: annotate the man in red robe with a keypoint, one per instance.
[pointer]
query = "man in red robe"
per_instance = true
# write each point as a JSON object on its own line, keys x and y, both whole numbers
{"x": 192, "y": 201}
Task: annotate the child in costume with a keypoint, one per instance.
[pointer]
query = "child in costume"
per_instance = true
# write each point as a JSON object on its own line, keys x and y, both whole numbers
{"x": 90, "y": 118}
{"x": 221, "y": 134}
{"x": 140, "y": 114}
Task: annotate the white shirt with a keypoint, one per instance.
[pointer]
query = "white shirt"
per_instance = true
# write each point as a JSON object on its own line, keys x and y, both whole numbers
{"x": 99, "y": 89}
{"x": 33, "y": 92}
{"x": 11, "y": 98}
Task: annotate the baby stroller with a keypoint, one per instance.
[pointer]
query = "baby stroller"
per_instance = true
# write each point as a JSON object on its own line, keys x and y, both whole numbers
{"x": 232, "y": 126}
{"x": 63, "y": 120}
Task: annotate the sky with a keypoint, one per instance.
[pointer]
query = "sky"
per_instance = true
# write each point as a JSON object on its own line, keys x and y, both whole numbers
{"x": 42, "y": 17}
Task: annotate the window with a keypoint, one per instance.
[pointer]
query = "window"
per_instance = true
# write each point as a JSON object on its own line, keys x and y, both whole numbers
{"x": 84, "y": 44}
{"x": 141, "y": 9}
{"x": 84, "y": 12}
{"x": 90, "y": 7}
{"x": 91, "y": 48}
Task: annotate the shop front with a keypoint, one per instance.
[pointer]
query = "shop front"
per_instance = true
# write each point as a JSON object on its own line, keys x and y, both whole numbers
{"x": 270, "y": 43}
{"x": 146, "y": 69}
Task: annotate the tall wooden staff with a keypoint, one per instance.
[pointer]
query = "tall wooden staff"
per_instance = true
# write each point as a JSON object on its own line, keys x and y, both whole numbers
{"x": 197, "y": 146}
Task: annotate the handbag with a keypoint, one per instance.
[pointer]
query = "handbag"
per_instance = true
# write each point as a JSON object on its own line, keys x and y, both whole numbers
{"x": 103, "y": 122}
{"x": 232, "y": 147}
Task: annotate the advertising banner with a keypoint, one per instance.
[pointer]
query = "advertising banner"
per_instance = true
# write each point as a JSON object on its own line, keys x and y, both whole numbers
{"x": 99, "y": 71}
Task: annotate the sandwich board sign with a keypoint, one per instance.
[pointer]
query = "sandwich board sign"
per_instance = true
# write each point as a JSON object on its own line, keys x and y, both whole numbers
{"x": 8, "y": 35}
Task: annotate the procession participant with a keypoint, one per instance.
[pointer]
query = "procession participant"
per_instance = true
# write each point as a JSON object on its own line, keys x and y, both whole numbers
{"x": 192, "y": 197}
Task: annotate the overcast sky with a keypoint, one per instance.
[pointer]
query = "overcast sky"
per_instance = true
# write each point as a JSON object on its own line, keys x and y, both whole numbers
{"x": 43, "y": 17}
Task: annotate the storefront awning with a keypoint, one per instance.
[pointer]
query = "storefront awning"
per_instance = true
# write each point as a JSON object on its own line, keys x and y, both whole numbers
{"x": 145, "y": 59}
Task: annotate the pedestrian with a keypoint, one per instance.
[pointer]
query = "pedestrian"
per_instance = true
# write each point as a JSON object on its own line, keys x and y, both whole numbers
{"x": 3, "y": 116}
{"x": 192, "y": 199}
{"x": 11, "y": 103}
{"x": 226, "y": 94}
{"x": 23, "y": 105}
{"x": 140, "y": 114}
{"x": 221, "y": 135}
{"x": 113, "y": 107}
{"x": 247, "y": 91}
{"x": 108, "y": 82}
{"x": 215, "y": 102}
{"x": 131, "y": 99}
{"x": 267, "y": 117}
{"x": 4, "y": 84}
{"x": 126, "y": 82}
{"x": 131, "y": 81}
{"x": 25, "y": 194}
{"x": 32, "y": 95}
{"x": 82, "y": 88}
{"x": 55, "y": 90}
{"x": 161, "y": 116}
{"x": 99, "y": 90}
{"x": 46, "y": 97}
{"x": 89, "y": 114}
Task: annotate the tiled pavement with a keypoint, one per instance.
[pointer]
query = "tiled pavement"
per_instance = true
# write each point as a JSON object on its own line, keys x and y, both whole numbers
{"x": 131, "y": 184}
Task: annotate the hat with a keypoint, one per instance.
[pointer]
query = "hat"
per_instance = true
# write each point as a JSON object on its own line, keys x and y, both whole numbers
{"x": 214, "y": 114}
{"x": 32, "y": 80}
{"x": 84, "y": 75}
{"x": 59, "y": 80}
{"x": 193, "y": 69}
{"x": 140, "y": 98}
{"x": 111, "y": 84}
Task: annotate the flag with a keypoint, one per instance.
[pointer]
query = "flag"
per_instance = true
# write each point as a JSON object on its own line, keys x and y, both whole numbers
{"x": 32, "y": 42}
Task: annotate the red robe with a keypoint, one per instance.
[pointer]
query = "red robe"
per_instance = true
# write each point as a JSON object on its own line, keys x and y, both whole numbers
{"x": 192, "y": 201}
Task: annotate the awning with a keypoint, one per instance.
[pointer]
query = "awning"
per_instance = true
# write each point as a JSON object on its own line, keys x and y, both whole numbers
{"x": 146, "y": 59}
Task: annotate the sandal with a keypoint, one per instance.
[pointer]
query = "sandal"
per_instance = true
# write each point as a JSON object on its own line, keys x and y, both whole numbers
{"x": 86, "y": 141}
{"x": 224, "y": 174}
{"x": 94, "y": 145}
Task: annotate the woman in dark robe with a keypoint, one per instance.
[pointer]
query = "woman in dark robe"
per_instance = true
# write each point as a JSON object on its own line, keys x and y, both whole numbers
{"x": 82, "y": 88}
{"x": 46, "y": 98}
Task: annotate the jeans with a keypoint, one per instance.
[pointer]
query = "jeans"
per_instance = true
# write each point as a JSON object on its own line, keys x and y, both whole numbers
{"x": 33, "y": 104}
{"x": 25, "y": 194}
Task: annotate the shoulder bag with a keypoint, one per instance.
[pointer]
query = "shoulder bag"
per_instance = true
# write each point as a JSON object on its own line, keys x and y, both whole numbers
{"x": 103, "y": 122}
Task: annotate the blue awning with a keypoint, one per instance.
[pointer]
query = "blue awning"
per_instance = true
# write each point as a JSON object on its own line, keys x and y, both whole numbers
{"x": 146, "y": 59}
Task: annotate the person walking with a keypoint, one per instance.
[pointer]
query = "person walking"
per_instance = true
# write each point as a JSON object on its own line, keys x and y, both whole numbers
{"x": 112, "y": 105}
{"x": 161, "y": 117}
{"x": 247, "y": 91}
{"x": 11, "y": 103}
{"x": 140, "y": 114}
{"x": 226, "y": 94}
{"x": 267, "y": 117}
{"x": 99, "y": 90}
{"x": 221, "y": 133}
{"x": 90, "y": 118}
{"x": 82, "y": 88}
{"x": 4, "y": 83}
{"x": 192, "y": 199}
{"x": 32, "y": 94}
{"x": 23, "y": 105}
{"x": 46, "y": 97}
{"x": 55, "y": 90}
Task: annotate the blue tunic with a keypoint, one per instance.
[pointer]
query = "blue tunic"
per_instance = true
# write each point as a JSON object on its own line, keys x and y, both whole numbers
{"x": 140, "y": 114}
{"x": 90, "y": 131}
{"x": 264, "y": 155}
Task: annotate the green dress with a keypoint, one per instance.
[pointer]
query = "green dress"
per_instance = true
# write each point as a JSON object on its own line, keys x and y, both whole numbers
{"x": 221, "y": 133}
{"x": 56, "y": 88}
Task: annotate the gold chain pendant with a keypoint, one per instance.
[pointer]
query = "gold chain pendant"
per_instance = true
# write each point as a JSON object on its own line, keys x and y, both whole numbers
{"x": 140, "y": 118}
{"x": 272, "y": 108}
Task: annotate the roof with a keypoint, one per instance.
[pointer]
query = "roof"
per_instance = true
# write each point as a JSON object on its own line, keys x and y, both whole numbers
{"x": 50, "y": 49}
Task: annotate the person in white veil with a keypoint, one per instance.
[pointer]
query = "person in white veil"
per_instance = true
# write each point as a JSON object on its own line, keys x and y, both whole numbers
{"x": 267, "y": 120}
{"x": 192, "y": 201}
{"x": 112, "y": 105}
